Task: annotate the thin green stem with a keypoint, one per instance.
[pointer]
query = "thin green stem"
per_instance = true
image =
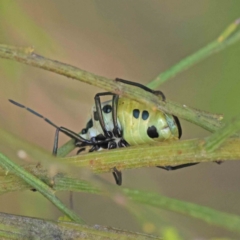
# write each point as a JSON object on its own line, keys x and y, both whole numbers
{"x": 216, "y": 139}
{"x": 59, "y": 181}
{"x": 227, "y": 38}
{"x": 66, "y": 148}
{"x": 209, "y": 215}
{"x": 37, "y": 184}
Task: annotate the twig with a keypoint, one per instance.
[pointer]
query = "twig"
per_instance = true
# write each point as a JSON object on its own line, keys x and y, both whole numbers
{"x": 19, "y": 227}
{"x": 164, "y": 154}
{"x": 61, "y": 181}
{"x": 227, "y": 38}
{"x": 27, "y": 56}
{"x": 225, "y": 220}
{"x": 216, "y": 139}
{"x": 37, "y": 184}
{"x": 159, "y": 154}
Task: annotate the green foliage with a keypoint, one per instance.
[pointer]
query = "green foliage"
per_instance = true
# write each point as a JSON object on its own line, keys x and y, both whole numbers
{"x": 230, "y": 36}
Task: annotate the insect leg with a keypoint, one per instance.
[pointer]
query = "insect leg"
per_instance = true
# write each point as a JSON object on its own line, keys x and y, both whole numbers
{"x": 55, "y": 144}
{"x": 99, "y": 112}
{"x": 80, "y": 150}
{"x": 70, "y": 134}
{"x": 141, "y": 86}
{"x": 116, "y": 130}
{"x": 123, "y": 143}
{"x": 64, "y": 130}
{"x": 178, "y": 126}
{"x": 170, "y": 168}
{"x": 112, "y": 145}
{"x": 94, "y": 148}
{"x": 74, "y": 135}
{"x": 80, "y": 141}
{"x": 117, "y": 176}
{"x": 116, "y": 173}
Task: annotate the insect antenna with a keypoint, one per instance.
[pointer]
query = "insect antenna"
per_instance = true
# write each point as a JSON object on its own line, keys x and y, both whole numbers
{"x": 64, "y": 130}
{"x": 33, "y": 112}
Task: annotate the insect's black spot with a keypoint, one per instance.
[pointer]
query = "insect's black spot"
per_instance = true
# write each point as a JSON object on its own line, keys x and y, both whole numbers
{"x": 145, "y": 115}
{"x": 84, "y": 131}
{"x": 152, "y": 132}
{"x": 95, "y": 115}
{"x": 89, "y": 124}
{"x": 123, "y": 143}
{"x": 136, "y": 113}
{"x": 107, "y": 108}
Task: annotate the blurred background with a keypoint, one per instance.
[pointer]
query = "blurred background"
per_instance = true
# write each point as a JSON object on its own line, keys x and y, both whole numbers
{"x": 134, "y": 40}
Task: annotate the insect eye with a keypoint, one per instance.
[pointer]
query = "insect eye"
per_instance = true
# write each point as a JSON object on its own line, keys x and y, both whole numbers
{"x": 136, "y": 113}
{"x": 107, "y": 109}
{"x": 145, "y": 115}
{"x": 84, "y": 131}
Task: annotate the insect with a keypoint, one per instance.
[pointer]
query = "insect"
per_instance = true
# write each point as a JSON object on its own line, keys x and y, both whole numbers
{"x": 121, "y": 122}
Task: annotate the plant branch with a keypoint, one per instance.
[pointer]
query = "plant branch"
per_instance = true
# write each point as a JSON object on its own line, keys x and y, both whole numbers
{"x": 215, "y": 140}
{"x": 27, "y": 56}
{"x": 61, "y": 181}
{"x": 20, "y": 227}
{"x": 37, "y": 184}
{"x": 166, "y": 153}
{"x": 162, "y": 154}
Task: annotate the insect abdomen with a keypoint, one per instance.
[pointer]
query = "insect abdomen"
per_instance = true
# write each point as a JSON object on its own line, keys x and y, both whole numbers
{"x": 143, "y": 125}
